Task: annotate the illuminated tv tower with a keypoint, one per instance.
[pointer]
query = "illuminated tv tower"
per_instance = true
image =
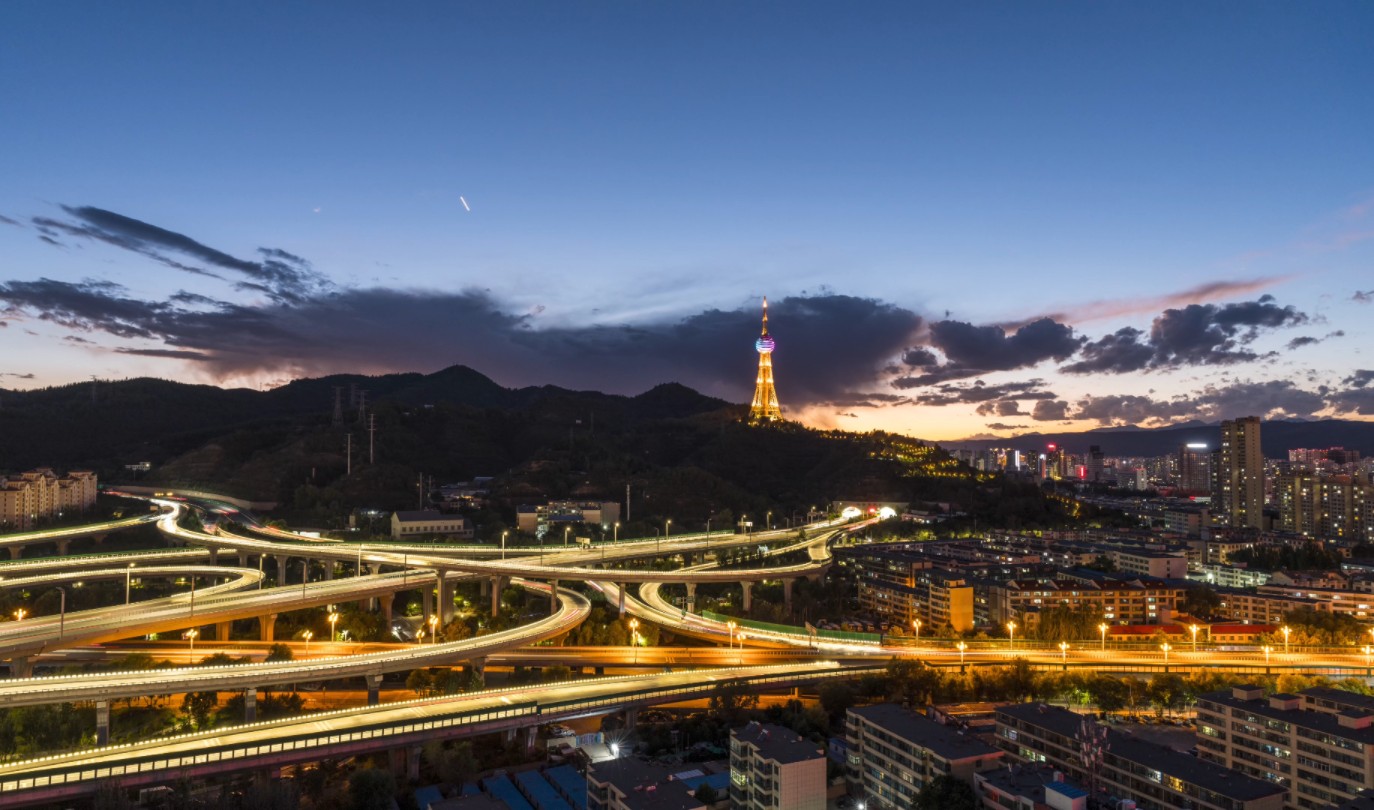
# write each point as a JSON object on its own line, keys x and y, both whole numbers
{"x": 765, "y": 407}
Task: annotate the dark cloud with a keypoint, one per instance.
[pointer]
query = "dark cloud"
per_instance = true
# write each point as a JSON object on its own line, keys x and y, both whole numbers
{"x": 974, "y": 350}
{"x": 280, "y": 275}
{"x": 1270, "y": 399}
{"x": 828, "y": 345}
{"x": 44, "y": 237}
{"x": 1196, "y": 335}
{"x": 981, "y": 392}
{"x": 173, "y": 354}
{"x": 1003, "y": 426}
{"x": 1308, "y": 340}
{"x": 1360, "y": 378}
{"x": 1001, "y": 407}
{"x": 1360, "y": 401}
{"x": 78, "y": 339}
{"x": 1050, "y": 410}
{"x": 1363, "y": 296}
{"x": 920, "y": 357}
{"x": 17, "y": 375}
{"x": 6, "y": 220}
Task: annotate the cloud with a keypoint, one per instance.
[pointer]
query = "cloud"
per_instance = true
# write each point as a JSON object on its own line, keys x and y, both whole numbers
{"x": 920, "y": 357}
{"x": 280, "y": 275}
{"x": 981, "y": 392}
{"x": 1196, "y": 335}
{"x": 1307, "y": 340}
{"x": 1108, "y": 309}
{"x": 1270, "y": 399}
{"x": 1003, "y": 426}
{"x": 7, "y": 221}
{"x": 971, "y": 350}
{"x": 1363, "y": 296}
{"x": 174, "y": 354}
{"x": 1360, "y": 401}
{"x": 17, "y": 375}
{"x": 828, "y": 345}
{"x": 1050, "y": 410}
{"x": 1001, "y": 407}
{"x": 1360, "y": 378}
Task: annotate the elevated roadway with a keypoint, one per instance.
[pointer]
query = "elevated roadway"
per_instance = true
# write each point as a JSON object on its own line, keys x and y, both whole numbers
{"x": 16, "y": 542}
{"x": 395, "y": 726}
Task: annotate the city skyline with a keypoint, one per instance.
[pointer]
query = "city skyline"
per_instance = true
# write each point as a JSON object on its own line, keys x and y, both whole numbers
{"x": 968, "y": 221}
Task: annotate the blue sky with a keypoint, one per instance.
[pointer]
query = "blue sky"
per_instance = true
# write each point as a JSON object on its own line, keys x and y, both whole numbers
{"x": 658, "y": 165}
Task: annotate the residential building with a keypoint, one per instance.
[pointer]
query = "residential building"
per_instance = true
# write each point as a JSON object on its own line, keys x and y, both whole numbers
{"x": 1242, "y": 474}
{"x": 1248, "y": 607}
{"x": 40, "y": 494}
{"x": 1195, "y": 468}
{"x": 413, "y": 524}
{"x": 903, "y": 585}
{"x": 537, "y": 519}
{"x": 1230, "y": 576}
{"x": 774, "y": 767}
{"x": 1152, "y": 776}
{"x": 1332, "y": 507}
{"x": 895, "y": 752}
{"x": 1157, "y": 564}
{"x": 1318, "y": 745}
{"x": 630, "y": 784}
{"x": 1028, "y": 787}
{"x": 1135, "y": 601}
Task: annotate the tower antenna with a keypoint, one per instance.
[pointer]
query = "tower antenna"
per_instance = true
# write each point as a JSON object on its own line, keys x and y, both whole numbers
{"x": 765, "y": 406}
{"x": 372, "y": 439}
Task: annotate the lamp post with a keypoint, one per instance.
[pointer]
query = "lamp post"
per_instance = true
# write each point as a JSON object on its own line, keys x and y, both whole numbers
{"x": 615, "y": 532}
{"x": 1287, "y": 631}
{"x": 433, "y": 629}
{"x": 1102, "y": 628}
{"x": 731, "y": 625}
{"x": 191, "y": 636}
{"x": 667, "y": 525}
{"x": 360, "y": 560}
{"x": 1064, "y": 652}
{"x": 1165, "y": 647}
{"x": 20, "y": 614}
{"x": 62, "y": 613}
{"x": 634, "y": 631}
{"x": 333, "y": 620}
{"x": 1011, "y": 636}
{"x": 768, "y": 521}
{"x": 566, "y": 529}
{"x": 420, "y": 636}
{"x": 503, "y": 544}
{"x": 961, "y": 646}
{"x": 1194, "y": 628}
{"x": 308, "y": 634}
{"x": 1267, "y": 649}
{"x": 916, "y": 623}
{"x": 128, "y": 581}
{"x": 1368, "y": 652}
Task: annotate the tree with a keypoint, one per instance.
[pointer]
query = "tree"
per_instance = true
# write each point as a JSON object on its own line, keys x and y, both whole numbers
{"x": 1200, "y": 601}
{"x": 732, "y": 700}
{"x": 945, "y": 792}
{"x": 279, "y": 652}
{"x": 371, "y": 789}
{"x": 200, "y": 706}
{"x": 706, "y": 794}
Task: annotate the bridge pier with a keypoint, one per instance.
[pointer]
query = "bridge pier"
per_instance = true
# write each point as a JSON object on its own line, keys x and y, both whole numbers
{"x": 445, "y": 593}
{"x": 479, "y": 669}
{"x": 413, "y": 763}
{"x": 250, "y": 705}
{"x": 21, "y": 666}
{"x": 427, "y": 602}
{"x": 223, "y": 630}
{"x": 691, "y": 603}
{"x": 385, "y": 602}
{"x": 508, "y": 736}
{"x": 266, "y": 624}
{"x": 530, "y": 738}
{"x": 328, "y": 570}
{"x": 787, "y": 594}
{"x": 102, "y": 722}
{"x": 498, "y": 584}
{"x": 748, "y": 595}
{"x": 214, "y": 555}
{"x": 64, "y": 546}
{"x": 374, "y": 688}
{"x": 281, "y": 569}
{"x": 553, "y": 596}
{"x": 620, "y": 597}
{"x": 16, "y": 552}
{"x": 631, "y": 718}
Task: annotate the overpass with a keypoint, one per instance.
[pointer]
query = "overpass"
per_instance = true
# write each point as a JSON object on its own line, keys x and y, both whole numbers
{"x": 62, "y": 537}
{"x": 394, "y": 726}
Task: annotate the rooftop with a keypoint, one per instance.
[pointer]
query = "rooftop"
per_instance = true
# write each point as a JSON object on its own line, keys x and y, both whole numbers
{"x": 646, "y": 786}
{"x": 1306, "y": 718}
{"x": 779, "y": 744}
{"x": 919, "y": 730}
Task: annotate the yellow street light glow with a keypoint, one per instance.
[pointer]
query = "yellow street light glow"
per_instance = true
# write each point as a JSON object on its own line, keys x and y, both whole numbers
{"x": 1103, "y": 628}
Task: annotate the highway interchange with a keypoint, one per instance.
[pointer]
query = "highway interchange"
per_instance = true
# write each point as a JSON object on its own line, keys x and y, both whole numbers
{"x": 228, "y": 592}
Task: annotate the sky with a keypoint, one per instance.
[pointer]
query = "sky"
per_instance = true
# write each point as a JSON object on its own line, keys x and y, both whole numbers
{"x": 970, "y": 219}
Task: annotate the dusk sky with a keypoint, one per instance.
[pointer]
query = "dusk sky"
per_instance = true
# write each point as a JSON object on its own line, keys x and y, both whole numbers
{"x": 969, "y": 219}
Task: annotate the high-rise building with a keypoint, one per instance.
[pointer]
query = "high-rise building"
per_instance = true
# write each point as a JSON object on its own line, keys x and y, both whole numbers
{"x": 1194, "y": 468}
{"x": 765, "y": 407}
{"x": 1096, "y": 460}
{"x": 772, "y": 766}
{"x": 1242, "y": 473}
{"x": 1333, "y": 507}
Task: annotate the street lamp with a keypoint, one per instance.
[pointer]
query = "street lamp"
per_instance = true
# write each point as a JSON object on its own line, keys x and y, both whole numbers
{"x": 333, "y": 620}
{"x": 20, "y": 614}
{"x": 1063, "y": 652}
{"x": 566, "y": 529}
{"x": 1287, "y": 631}
{"x": 1267, "y": 649}
{"x": 191, "y": 636}
{"x": 667, "y": 524}
{"x": 961, "y": 646}
{"x": 1103, "y": 629}
{"x": 768, "y": 521}
{"x": 308, "y": 634}
{"x": 916, "y": 623}
{"x": 433, "y": 629}
{"x": 128, "y": 580}
{"x": 615, "y": 532}
{"x": 731, "y": 625}
{"x": 1011, "y": 636}
{"x": 62, "y": 614}
{"x": 1194, "y": 628}
{"x": 1368, "y": 651}
{"x": 1165, "y": 647}
{"x": 420, "y": 636}
{"x": 503, "y": 544}
{"x": 634, "y": 631}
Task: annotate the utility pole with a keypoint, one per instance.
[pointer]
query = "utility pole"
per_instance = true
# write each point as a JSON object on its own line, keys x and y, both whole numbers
{"x": 371, "y": 438}
{"x": 627, "y": 503}
{"x": 362, "y": 405}
{"x": 420, "y": 492}
{"x": 338, "y": 405}
{"x": 349, "y": 452}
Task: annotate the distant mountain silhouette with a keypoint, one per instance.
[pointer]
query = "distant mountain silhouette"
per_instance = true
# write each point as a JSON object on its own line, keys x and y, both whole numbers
{"x": 1276, "y": 438}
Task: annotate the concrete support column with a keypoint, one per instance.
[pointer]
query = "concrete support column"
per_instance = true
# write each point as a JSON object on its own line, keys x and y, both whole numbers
{"x": 21, "y": 666}
{"x": 102, "y": 722}
{"x": 64, "y": 546}
{"x": 214, "y": 556}
{"x": 16, "y": 552}
{"x": 508, "y": 735}
{"x": 485, "y": 587}
{"x": 631, "y": 717}
{"x": 243, "y": 560}
{"x": 266, "y": 623}
{"x": 498, "y": 584}
{"x": 691, "y": 597}
{"x": 374, "y": 689}
{"x": 748, "y": 595}
{"x": 281, "y": 569}
{"x": 445, "y": 605}
{"x": 413, "y": 763}
{"x": 250, "y": 705}
{"x": 479, "y": 669}
{"x": 385, "y": 601}
{"x": 620, "y": 597}
{"x": 374, "y": 568}
{"x": 328, "y": 570}
{"x": 222, "y": 630}
{"x": 787, "y": 593}
{"x": 553, "y": 597}
{"x": 530, "y": 738}
{"x": 427, "y": 602}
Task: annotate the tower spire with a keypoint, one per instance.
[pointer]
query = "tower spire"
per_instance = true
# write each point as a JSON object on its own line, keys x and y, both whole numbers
{"x": 765, "y": 407}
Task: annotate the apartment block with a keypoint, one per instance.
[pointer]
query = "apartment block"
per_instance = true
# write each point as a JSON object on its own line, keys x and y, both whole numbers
{"x": 39, "y": 494}
{"x": 895, "y": 752}
{"x": 1130, "y": 769}
{"x": 1134, "y": 601}
{"x": 903, "y": 585}
{"x": 556, "y": 514}
{"x": 427, "y": 522}
{"x": 774, "y": 767}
